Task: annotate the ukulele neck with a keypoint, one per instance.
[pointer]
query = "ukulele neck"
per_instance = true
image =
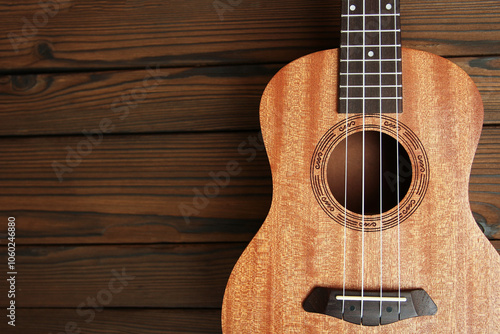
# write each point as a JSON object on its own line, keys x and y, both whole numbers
{"x": 370, "y": 57}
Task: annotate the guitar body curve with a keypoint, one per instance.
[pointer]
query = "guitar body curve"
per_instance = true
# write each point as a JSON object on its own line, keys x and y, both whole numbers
{"x": 438, "y": 247}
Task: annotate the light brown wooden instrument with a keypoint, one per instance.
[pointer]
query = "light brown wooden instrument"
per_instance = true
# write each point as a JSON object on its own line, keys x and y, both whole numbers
{"x": 299, "y": 247}
{"x": 427, "y": 240}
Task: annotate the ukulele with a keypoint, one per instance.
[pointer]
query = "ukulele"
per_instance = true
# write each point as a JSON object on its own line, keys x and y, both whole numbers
{"x": 370, "y": 228}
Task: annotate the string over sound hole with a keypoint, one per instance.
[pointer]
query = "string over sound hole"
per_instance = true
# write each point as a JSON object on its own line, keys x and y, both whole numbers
{"x": 381, "y": 150}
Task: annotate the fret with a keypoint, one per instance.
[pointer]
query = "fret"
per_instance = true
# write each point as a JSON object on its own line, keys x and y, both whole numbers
{"x": 370, "y": 67}
{"x": 370, "y": 92}
{"x": 369, "y": 15}
{"x": 371, "y": 106}
{"x": 392, "y": 73}
{"x": 370, "y": 7}
{"x": 373, "y": 45}
{"x": 369, "y": 86}
{"x": 369, "y": 38}
{"x": 365, "y": 60}
{"x": 373, "y": 30}
{"x": 370, "y": 79}
{"x": 371, "y": 22}
{"x": 371, "y": 98}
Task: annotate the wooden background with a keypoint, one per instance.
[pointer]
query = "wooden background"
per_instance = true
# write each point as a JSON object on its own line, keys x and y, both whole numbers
{"x": 118, "y": 206}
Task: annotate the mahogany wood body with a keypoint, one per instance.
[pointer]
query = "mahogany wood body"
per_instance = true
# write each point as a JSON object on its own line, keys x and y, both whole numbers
{"x": 299, "y": 247}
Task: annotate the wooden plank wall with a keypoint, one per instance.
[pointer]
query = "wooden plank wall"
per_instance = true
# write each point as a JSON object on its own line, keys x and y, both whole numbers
{"x": 114, "y": 114}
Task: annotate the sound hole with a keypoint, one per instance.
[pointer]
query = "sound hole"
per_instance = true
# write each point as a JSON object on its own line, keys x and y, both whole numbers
{"x": 373, "y": 203}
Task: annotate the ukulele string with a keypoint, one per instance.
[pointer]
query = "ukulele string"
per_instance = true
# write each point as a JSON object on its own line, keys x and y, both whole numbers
{"x": 363, "y": 170}
{"x": 397, "y": 154}
{"x": 380, "y": 146}
{"x": 345, "y": 166}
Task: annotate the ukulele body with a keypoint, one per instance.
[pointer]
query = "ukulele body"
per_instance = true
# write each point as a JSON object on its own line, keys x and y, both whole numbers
{"x": 300, "y": 246}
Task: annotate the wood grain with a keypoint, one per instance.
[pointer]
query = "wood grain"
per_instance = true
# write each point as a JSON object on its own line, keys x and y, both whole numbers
{"x": 131, "y": 189}
{"x": 484, "y": 188}
{"x": 166, "y": 276}
{"x": 186, "y": 99}
{"x": 146, "y": 321}
{"x": 466, "y": 29}
{"x": 299, "y": 247}
{"x": 178, "y": 33}
{"x": 177, "y": 100}
{"x": 128, "y": 190}
{"x": 126, "y": 193}
{"x": 485, "y": 71}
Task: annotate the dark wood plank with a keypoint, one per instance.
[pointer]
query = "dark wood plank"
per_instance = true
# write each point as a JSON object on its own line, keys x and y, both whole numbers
{"x": 172, "y": 33}
{"x": 171, "y": 276}
{"x": 484, "y": 187}
{"x": 452, "y": 28}
{"x": 136, "y": 189}
{"x": 186, "y": 99}
{"x": 176, "y": 33}
{"x": 144, "y": 321}
{"x": 485, "y": 71}
{"x": 158, "y": 100}
{"x": 143, "y": 188}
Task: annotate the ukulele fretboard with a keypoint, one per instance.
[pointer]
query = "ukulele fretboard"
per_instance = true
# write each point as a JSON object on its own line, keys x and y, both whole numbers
{"x": 370, "y": 57}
